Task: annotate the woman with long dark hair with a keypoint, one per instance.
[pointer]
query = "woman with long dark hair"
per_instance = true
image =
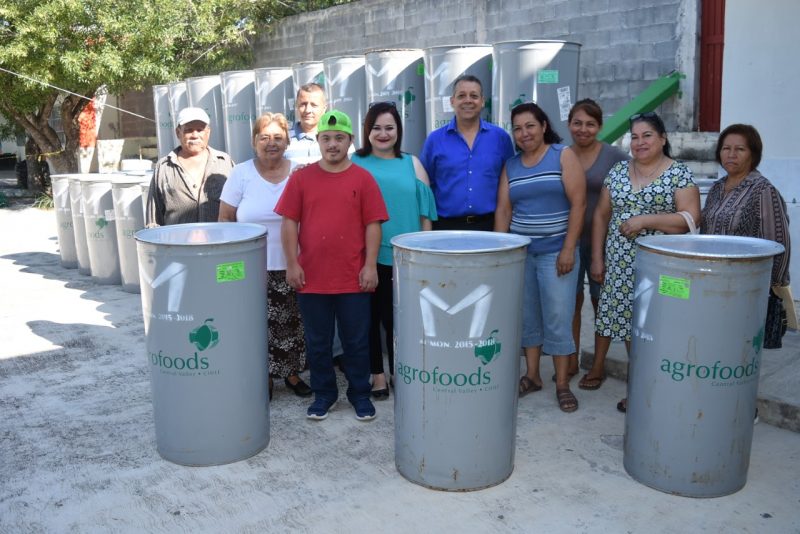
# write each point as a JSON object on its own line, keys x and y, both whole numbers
{"x": 411, "y": 206}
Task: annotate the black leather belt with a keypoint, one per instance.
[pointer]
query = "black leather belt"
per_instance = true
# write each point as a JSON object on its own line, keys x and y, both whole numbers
{"x": 469, "y": 219}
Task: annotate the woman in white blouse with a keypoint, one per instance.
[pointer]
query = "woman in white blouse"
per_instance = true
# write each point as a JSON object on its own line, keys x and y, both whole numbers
{"x": 250, "y": 195}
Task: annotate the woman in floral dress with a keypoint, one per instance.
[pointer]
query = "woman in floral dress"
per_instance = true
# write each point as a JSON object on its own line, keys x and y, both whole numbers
{"x": 644, "y": 196}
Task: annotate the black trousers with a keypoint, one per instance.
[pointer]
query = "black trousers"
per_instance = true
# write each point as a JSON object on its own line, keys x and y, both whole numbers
{"x": 382, "y": 314}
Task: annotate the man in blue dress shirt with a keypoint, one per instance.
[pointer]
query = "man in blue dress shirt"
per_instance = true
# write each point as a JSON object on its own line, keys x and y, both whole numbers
{"x": 464, "y": 159}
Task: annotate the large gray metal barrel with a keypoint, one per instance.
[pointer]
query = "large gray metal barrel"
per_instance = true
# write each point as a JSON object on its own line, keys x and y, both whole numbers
{"x": 443, "y": 64}
{"x": 239, "y": 112}
{"x": 126, "y": 192}
{"x": 307, "y": 72}
{"x": 398, "y": 75}
{"x": 274, "y": 89}
{"x": 206, "y": 92}
{"x": 78, "y": 224}
{"x": 165, "y": 124}
{"x": 101, "y": 227}
{"x": 698, "y": 328}
{"x": 66, "y": 233}
{"x": 457, "y": 314}
{"x": 346, "y": 85}
{"x": 178, "y": 99}
{"x": 545, "y": 72}
{"x": 205, "y": 317}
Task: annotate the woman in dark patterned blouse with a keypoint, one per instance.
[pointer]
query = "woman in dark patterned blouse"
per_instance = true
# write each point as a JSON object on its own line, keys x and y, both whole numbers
{"x": 744, "y": 202}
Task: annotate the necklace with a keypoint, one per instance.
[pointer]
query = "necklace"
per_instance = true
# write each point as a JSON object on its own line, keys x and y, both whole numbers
{"x": 642, "y": 180}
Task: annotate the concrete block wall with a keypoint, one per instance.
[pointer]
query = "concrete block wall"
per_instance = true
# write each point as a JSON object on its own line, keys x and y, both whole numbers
{"x": 626, "y": 43}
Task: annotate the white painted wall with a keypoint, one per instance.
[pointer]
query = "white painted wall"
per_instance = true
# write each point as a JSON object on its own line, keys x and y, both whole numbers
{"x": 761, "y": 86}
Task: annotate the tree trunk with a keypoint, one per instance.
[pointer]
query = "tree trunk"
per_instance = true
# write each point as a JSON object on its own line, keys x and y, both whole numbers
{"x": 38, "y": 177}
{"x": 62, "y": 157}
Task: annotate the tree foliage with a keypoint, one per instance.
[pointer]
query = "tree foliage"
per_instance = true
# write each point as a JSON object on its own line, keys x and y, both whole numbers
{"x": 81, "y": 45}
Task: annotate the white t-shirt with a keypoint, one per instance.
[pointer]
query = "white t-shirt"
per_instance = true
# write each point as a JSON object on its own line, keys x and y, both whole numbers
{"x": 254, "y": 199}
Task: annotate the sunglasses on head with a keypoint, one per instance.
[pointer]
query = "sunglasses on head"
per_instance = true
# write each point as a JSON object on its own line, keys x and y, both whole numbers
{"x": 645, "y": 115}
{"x": 391, "y": 103}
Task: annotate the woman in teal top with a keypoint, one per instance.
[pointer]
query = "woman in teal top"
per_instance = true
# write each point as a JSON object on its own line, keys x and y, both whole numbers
{"x": 409, "y": 200}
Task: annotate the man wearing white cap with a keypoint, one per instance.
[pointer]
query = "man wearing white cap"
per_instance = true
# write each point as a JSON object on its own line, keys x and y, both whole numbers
{"x": 187, "y": 182}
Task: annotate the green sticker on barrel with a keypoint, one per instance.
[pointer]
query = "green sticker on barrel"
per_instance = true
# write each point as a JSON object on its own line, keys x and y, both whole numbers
{"x": 230, "y": 272}
{"x": 421, "y": 69}
{"x": 547, "y": 76}
{"x": 670, "y": 286}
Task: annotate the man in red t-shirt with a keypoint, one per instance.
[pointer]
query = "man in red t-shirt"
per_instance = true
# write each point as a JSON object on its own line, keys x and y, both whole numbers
{"x": 332, "y": 213}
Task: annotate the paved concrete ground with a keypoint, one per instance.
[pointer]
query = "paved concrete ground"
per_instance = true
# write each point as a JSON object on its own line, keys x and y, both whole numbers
{"x": 77, "y": 443}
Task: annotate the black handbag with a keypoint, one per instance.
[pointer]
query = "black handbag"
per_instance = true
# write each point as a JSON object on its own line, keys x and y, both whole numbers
{"x": 775, "y": 327}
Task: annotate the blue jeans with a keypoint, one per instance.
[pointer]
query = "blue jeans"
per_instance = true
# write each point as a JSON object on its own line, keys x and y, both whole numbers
{"x": 351, "y": 311}
{"x": 548, "y": 304}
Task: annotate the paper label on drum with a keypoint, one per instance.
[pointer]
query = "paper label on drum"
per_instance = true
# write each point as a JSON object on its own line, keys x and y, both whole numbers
{"x": 670, "y": 286}
{"x": 564, "y": 102}
{"x": 547, "y": 76}
{"x": 230, "y": 272}
{"x": 110, "y": 215}
{"x": 446, "y": 106}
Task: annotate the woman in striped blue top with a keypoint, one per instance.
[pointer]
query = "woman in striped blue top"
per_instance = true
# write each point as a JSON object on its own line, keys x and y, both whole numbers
{"x": 542, "y": 195}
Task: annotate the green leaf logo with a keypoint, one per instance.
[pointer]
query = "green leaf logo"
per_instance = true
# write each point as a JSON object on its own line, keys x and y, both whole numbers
{"x": 520, "y": 100}
{"x": 204, "y": 336}
{"x": 488, "y": 349}
{"x": 758, "y": 340}
{"x": 101, "y": 223}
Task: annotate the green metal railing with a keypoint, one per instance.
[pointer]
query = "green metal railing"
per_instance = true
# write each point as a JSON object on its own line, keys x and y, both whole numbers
{"x": 648, "y": 100}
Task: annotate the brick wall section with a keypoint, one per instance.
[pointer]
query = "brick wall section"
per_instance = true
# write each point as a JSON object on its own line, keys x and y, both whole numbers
{"x": 626, "y": 43}
{"x": 140, "y": 102}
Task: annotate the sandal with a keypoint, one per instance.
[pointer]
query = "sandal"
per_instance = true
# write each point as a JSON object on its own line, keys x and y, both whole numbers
{"x": 591, "y": 382}
{"x": 526, "y": 385}
{"x": 622, "y": 405}
{"x": 566, "y": 400}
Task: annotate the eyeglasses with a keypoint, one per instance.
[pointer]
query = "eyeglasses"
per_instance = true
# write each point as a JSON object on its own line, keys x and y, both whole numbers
{"x": 645, "y": 115}
{"x": 391, "y": 103}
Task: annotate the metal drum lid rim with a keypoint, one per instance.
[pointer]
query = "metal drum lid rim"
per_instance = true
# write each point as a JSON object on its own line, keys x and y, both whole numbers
{"x": 537, "y": 41}
{"x": 416, "y": 241}
{"x": 381, "y": 50}
{"x": 154, "y": 236}
{"x": 667, "y": 245}
{"x": 211, "y": 76}
{"x": 129, "y": 179}
{"x": 230, "y": 73}
{"x": 457, "y": 46}
{"x": 102, "y": 178}
{"x": 329, "y": 58}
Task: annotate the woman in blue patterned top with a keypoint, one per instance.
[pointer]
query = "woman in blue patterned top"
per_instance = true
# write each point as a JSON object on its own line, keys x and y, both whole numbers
{"x": 411, "y": 206}
{"x": 542, "y": 195}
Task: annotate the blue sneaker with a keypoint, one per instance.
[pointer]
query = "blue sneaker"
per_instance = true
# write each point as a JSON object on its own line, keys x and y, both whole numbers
{"x": 319, "y": 409}
{"x": 365, "y": 411}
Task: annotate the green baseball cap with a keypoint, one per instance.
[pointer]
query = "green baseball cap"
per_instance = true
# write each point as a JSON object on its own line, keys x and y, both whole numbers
{"x": 337, "y": 121}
